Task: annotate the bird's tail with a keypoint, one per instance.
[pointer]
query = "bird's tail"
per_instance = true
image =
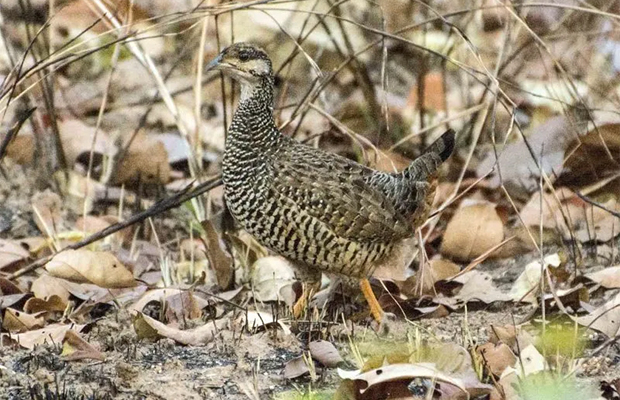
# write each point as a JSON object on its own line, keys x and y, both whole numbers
{"x": 430, "y": 160}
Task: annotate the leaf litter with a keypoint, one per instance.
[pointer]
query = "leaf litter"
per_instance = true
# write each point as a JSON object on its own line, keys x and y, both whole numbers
{"x": 512, "y": 290}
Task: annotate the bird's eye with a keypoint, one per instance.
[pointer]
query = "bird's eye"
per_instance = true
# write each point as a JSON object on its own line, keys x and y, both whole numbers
{"x": 244, "y": 56}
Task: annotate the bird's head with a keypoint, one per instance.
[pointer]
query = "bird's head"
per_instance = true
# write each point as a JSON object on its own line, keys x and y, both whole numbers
{"x": 244, "y": 62}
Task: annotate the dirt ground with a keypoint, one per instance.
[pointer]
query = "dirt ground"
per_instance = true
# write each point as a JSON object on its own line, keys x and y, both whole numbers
{"x": 240, "y": 365}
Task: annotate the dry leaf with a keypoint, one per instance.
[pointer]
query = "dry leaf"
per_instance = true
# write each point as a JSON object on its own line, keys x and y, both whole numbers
{"x": 609, "y": 278}
{"x": 145, "y": 161}
{"x": 21, "y": 149}
{"x": 478, "y": 286}
{"x": 157, "y": 295}
{"x": 47, "y": 208}
{"x": 16, "y": 321}
{"x": 530, "y": 361}
{"x": 183, "y": 306}
{"x": 519, "y": 170}
{"x": 11, "y": 299}
{"x": 325, "y": 353}
{"x": 147, "y": 327}
{"x": 593, "y": 156}
{"x": 45, "y": 286}
{"x": 76, "y": 348}
{"x": 605, "y": 319}
{"x": 219, "y": 258}
{"x": 400, "y": 372}
{"x": 474, "y": 229}
{"x": 273, "y": 279}
{"x": 77, "y": 139}
{"x": 7, "y": 287}
{"x": 52, "y": 334}
{"x": 11, "y": 253}
{"x": 526, "y": 287}
{"x": 295, "y": 368}
{"x": 586, "y": 222}
{"x": 253, "y": 320}
{"x": 497, "y": 357}
{"x": 514, "y": 336}
{"x": 423, "y": 282}
{"x": 52, "y": 304}
{"x": 85, "y": 266}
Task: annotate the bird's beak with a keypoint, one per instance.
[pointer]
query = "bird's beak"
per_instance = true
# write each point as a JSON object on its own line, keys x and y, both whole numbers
{"x": 215, "y": 63}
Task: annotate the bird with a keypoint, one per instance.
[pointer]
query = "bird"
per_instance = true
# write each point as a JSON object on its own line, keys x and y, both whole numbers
{"x": 323, "y": 212}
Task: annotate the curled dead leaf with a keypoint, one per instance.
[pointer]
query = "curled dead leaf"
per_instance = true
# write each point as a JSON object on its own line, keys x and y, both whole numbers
{"x": 147, "y": 327}
{"x": 400, "y": 372}
{"x": 217, "y": 253}
{"x": 526, "y": 287}
{"x": 16, "y": 321}
{"x": 253, "y": 320}
{"x": 52, "y": 304}
{"x": 52, "y": 334}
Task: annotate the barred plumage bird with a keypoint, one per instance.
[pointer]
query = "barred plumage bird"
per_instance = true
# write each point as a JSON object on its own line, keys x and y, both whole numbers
{"x": 321, "y": 211}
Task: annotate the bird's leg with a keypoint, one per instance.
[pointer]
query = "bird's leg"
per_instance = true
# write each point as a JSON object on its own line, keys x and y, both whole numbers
{"x": 311, "y": 283}
{"x": 308, "y": 290}
{"x": 373, "y": 303}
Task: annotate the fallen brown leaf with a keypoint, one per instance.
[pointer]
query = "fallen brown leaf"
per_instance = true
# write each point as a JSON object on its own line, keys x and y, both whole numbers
{"x": 52, "y": 304}
{"x": 585, "y": 222}
{"x": 16, "y": 321}
{"x": 608, "y": 278}
{"x": 474, "y": 229}
{"x": 273, "y": 279}
{"x": 325, "y": 353}
{"x": 146, "y": 160}
{"x": 47, "y": 208}
{"x": 21, "y": 149}
{"x": 497, "y": 357}
{"x": 147, "y": 327}
{"x": 219, "y": 258}
{"x": 478, "y": 286}
{"x": 605, "y": 319}
{"x": 295, "y": 367}
{"x": 52, "y": 334}
{"x": 85, "y": 266}
{"x": 45, "y": 286}
{"x": 11, "y": 253}
{"x": 75, "y": 348}
{"x": 527, "y": 286}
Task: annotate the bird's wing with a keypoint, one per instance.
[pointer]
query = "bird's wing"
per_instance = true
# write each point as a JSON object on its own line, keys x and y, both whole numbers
{"x": 332, "y": 189}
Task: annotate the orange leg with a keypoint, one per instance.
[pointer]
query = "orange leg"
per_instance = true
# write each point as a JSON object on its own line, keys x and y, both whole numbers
{"x": 375, "y": 308}
{"x": 308, "y": 290}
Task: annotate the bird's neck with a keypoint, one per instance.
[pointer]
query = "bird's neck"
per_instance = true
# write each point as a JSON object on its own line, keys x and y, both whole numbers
{"x": 253, "y": 121}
